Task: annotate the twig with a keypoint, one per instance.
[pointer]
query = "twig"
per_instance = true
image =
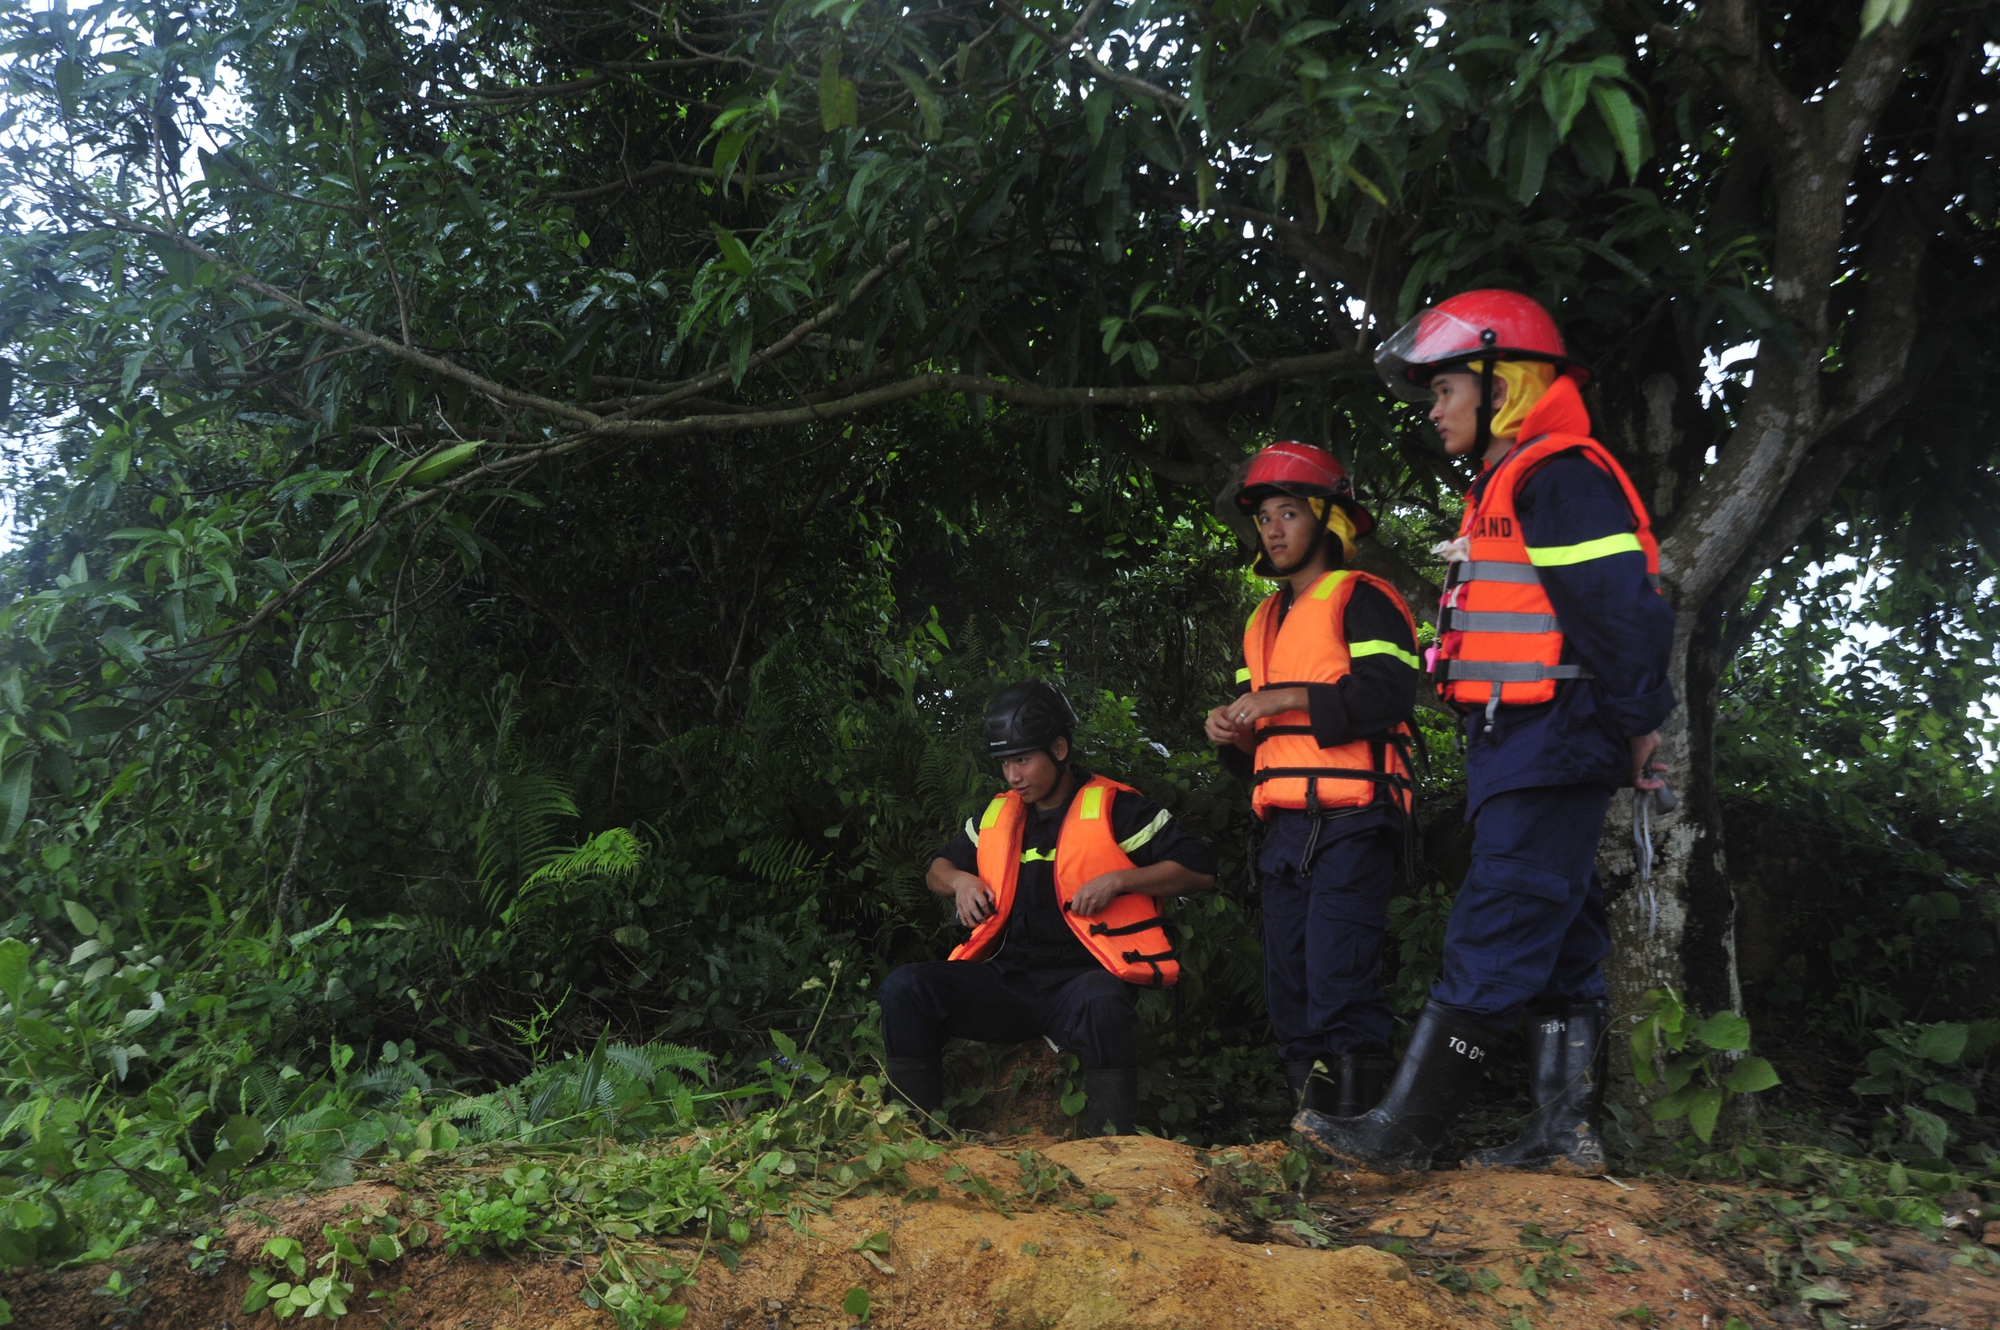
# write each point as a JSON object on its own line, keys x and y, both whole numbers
{"x": 285, "y": 907}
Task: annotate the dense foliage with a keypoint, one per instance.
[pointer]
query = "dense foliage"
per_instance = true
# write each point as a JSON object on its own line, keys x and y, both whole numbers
{"x": 516, "y": 511}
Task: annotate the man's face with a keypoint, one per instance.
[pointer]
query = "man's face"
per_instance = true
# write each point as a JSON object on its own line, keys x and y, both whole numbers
{"x": 1033, "y": 775}
{"x": 1456, "y": 411}
{"x": 1285, "y": 524}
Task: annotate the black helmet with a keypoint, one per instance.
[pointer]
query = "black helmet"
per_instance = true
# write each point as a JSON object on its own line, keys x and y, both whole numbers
{"x": 1023, "y": 717}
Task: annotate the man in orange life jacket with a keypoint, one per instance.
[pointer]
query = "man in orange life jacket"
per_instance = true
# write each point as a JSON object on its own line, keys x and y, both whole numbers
{"x": 1553, "y": 643}
{"x": 1326, "y": 689}
{"x": 1059, "y": 879}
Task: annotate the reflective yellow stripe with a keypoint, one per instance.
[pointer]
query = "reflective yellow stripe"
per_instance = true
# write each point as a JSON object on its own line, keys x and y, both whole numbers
{"x": 992, "y": 811}
{"x": 1038, "y": 856}
{"x": 1147, "y": 832}
{"x": 972, "y": 833}
{"x": 1243, "y": 675}
{"x": 1379, "y": 648}
{"x": 1093, "y": 804}
{"x": 1327, "y": 585}
{"x": 1559, "y": 556}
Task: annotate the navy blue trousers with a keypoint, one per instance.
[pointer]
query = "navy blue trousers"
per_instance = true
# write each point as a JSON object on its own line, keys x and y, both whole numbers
{"x": 1323, "y": 939}
{"x": 1091, "y": 1013}
{"x": 1528, "y": 927}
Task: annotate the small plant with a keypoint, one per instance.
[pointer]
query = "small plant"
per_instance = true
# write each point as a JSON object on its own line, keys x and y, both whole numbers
{"x": 324, "y": 1296}
{"x": 206, "y": 1255}
{"x": 1700, "y": 1076}
{"x": 1915, "y": 1059}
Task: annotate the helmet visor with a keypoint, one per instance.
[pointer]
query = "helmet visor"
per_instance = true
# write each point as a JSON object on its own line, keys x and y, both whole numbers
{"x": 1432, "y": 338}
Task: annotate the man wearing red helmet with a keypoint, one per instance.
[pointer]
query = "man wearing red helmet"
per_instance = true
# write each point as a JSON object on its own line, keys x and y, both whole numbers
{"x": 1553, "y": 643}
{"x": 1326, "y": 689}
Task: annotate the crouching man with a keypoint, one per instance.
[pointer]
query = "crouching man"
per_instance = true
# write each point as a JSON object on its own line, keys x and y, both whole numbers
{"x": 1059, "y": 880}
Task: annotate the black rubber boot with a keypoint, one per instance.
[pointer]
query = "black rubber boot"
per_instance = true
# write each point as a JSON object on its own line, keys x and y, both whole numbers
{"x": 1111, "y": 1102}
{"x": 1438, "y": 1074}
{"x": 918, "y": 1082}
{"x": 1362, "y": 1079}
{"x": 1567, "y": 1056}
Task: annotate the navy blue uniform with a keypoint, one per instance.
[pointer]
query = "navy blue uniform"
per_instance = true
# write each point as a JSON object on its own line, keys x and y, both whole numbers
{"x": 1323, "y": 927}
{"x": 1528, "y": 926}
{"x": 1041, "y": 980}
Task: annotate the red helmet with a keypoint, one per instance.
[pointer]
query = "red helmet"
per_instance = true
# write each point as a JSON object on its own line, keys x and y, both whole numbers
{"x": 1305, "y": 471}
{"x": 1505, "y": 324}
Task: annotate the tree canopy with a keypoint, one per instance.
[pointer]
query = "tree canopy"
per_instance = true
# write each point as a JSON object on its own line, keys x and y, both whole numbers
{"x": 518, "y": 506}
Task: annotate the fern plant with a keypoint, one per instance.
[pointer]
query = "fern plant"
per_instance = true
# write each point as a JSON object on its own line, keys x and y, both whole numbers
{"x": 609, "y": 857}
{"x": 640, "y": 1083}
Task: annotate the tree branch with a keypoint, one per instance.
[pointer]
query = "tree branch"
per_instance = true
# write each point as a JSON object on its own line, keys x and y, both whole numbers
{"x": 658, "y": 169}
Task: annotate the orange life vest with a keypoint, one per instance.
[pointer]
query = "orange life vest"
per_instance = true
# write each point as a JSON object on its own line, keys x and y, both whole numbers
{"x": 1311, "y": 646}
{"x": 1127, "y": 938}
{"x": 1498, "y": 639}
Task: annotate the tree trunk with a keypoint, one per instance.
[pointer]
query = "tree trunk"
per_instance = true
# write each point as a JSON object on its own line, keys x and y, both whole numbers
{"x": 1676, "y": 929}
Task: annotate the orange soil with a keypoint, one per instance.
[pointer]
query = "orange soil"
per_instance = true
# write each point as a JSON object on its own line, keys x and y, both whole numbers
{"x": 1178, "y": 1246}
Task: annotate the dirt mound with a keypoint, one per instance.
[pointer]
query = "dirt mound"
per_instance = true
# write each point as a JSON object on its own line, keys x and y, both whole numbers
{"x": 1140, "y": 1233}
{"x": 1141, "y": 1247}
{"x": 426, "y": 1288}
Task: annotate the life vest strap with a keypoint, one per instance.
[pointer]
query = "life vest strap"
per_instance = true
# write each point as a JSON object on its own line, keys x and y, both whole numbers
{"x": 1140, "y": 957}
{"x": 1510, "y": 671}
{"x": 1498, "y": 621}
{"x": 1106, "y": 930}
{"x": 1330, "y": 773}
{"x": 1490, "y": 570}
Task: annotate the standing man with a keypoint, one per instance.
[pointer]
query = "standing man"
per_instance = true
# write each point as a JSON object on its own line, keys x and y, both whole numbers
{"x": 1553, "y": 644}
{"x": 1059, "y": 881}
{"x": 1320, "y": 726}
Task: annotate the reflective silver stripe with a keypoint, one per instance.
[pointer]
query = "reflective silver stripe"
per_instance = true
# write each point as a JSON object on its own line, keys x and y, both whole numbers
{"x": 972, "y": 833}
{"x": 1147, "y": 832}
{"x": 1512, "y": 671}
{"x": 1499, "y": 621}
{"x": 1486, "y": 570}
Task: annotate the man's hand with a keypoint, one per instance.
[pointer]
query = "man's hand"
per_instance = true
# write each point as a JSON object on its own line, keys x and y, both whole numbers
{"x": 1643, "y": 766}
{"x": 1236, "y": 722}
{"x": 1223, "y": 729}
{"x": 1094, "y": 896}
{"x": 975, "y": 902}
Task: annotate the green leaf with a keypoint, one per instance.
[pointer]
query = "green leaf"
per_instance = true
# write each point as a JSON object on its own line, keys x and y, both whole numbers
{"x": 1927, "y": 1127}
{"x": 1625, "y": 121}
{"x": 928, "y": 103}
{"x": 831, "y": 109}
{"x": 1944, "y": 1043}
{"x": 856, "y": 1304}
{"x": 1096, "y": 109}
{"x": 1751, "y": 1075}
{"x": 1645, "y": 1043}
{"x": 1952, "y": 1095}
{"x": 1703, "y": 1109}
{"x": 16, "y": 788}
{"x": 89, "y": 722}
{"x": 1670, "y": 1106}
{"x": 1824, "y": 1294}
{"x": 1725, "y": 1031}
{"x": 83, "y": 919}
{"x": 734, "y": 256}
{"x": 246, "y": 1135}
{"x": 439, "y": 465}
{"x": 13, "y": 969}
{"x": 1875, "y": 12}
